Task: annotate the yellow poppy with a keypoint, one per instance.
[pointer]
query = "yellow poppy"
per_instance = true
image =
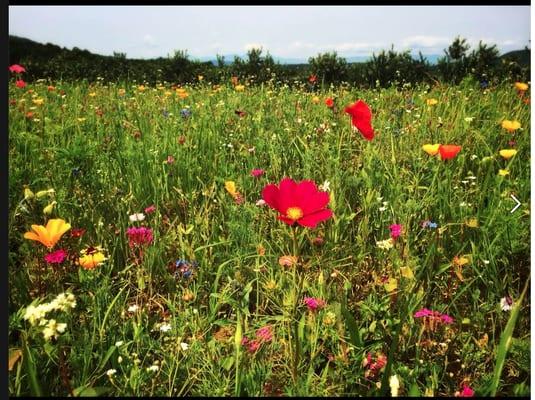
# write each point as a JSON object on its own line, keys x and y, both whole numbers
{"x": 231, "y": 188}
{"x": 521, "y": 86}
{"x": 472, "y": 223}
{"x": 49, "y": 208}
{"x": 315, "y": 100}
{"x": 431, "y": 149}
{"x": 141, "y": 88}
{"x": 49, "y": 235}
{"x": 239, "y": 88}
{"x": 38, "y": 102}
{"x": 431, "y": 102}
{"x": 28, "y": 194}
{"x": 92, "y": 94}
{"x": 91, "y": 259}
{"x": 503, "y": 172}
{"x": 511, "y": 126}
{"x": 508, "y": 153}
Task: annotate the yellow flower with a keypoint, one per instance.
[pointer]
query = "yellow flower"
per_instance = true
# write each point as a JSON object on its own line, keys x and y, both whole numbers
{"x": 431, "y": 149}
{"x": 200, "y": 77}
{"x": 315, "y": 100}
{"x": 183, "y": 94}
{"x": 239, "y": 88}
{"x": 48, "y": 209}
{"x": 431, "y": 102}
{"x": 521, "y": 87}
{"x": 28, "y": 194}
{"x": 508, "y": 153}
{"x": 141, "y": 88}
{"x": 91, "y": 258}
{"x": 81, "y": 119}
{"x": 92, "y": 94}
{"x": 511, "y": 126}
{"x": 391, "y": 285}
{"x": 49, "y": 235}
{"x": 472, "y": 223}
{"x": 121, "y": 92}
{"x": 231, "y": 188}
{"x": 42, "y": 193}
{"x": 38, "y": 102}
{"x": 503, "y": 172}
{"x": 168, "y": 93}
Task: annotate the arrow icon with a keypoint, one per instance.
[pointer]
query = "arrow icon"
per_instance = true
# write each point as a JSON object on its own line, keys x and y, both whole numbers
{"x": 517, "y": 203}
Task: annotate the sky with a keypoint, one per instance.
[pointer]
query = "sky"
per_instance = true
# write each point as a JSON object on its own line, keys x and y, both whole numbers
{"x": 284, "y": 31}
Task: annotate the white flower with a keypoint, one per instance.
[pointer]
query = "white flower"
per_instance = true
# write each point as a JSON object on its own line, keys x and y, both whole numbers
{"x": 486, "y": 262}
{"x": 382, "y": 209}
{"x": 153, "y": 368}
{"x": 325, "y": 186}
{"x": 506, "y": 303}
{"x": 261, "y": 203}
{"x": 184, "y": 346}
{"x": 119, "y": 359}
{"x": 137, "y": 217}
{"x": 394, "y": 385}
{"x": 111, "y": 372}
{"x": 469, "y": 119}
{"x": 119, "y": 343}
{"x": 385, "y": 244}
{"x": 165, "y": 328}
{"x": 133, "y": 308}
{"x": 53, "y": 329}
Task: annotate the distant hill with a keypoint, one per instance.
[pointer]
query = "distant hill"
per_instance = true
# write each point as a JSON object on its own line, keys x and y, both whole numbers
{"x": 522, "y": 57}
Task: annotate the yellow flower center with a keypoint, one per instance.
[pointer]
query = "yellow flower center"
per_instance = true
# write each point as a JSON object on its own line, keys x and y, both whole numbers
{"x": 294, "y": 213}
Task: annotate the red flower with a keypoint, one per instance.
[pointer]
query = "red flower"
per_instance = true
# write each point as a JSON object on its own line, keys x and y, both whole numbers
{"x": 16, "y": 68}
{"x": 257, "y": 172}
{"x": 361, "y": 117}
{"x": 329, "y": 102}
{"x": 20, "y": 84}
{"x": 77, "y": 232}
{"x": 312, "y": 78}
{"x": 448, "y": 151}
{"x": 298, "y": 202}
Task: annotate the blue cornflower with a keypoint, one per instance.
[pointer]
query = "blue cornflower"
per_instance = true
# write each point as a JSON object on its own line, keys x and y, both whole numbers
{"x": 185, "y": 112}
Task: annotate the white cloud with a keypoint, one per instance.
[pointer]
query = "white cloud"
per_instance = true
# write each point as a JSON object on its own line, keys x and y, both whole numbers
{"x": 149, "y": 41}
{"x": 250, "y": 46}
{"x": 425, "y": 41}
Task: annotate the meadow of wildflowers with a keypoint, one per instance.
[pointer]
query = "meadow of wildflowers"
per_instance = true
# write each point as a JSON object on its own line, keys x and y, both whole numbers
{"x": 265, "y": 241}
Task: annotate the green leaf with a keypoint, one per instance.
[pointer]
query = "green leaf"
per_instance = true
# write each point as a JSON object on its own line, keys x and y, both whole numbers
{"x": 351, "y": 325}
{"x": 96, "y": 391}
{"x": 414, "y": 391}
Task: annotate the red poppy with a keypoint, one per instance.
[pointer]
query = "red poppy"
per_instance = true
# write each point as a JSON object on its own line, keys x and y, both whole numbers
{"x": 361, "y": 117}
{"x": 16, "y": 68}
{"x": 448, "y": 151}
{"x": 298, "y": 202}
{"x": 20, "y": 84}
{"x": 312, "y": 78}
{"x": 329, "y": 102}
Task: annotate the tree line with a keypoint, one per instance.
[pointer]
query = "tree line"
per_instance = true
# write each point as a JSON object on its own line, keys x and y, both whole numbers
{"x": 388, "y": 67}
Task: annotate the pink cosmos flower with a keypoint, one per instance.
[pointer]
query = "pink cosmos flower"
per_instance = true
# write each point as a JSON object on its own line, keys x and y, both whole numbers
{"x": 139, "y": 236}
{"x": 56, "y": 257}
{"x": 17, "y": 69}
{"x": 257, "y": 172}
{"x": 313, "y": 303}
{"x": 467, "y": 392}
{"x": 395, "y": 230}
{"x": 150, "y": 209}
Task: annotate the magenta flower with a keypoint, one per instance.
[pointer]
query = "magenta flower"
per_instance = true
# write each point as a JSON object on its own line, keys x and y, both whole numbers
{"x": 446, "y": 319}
{"x": 434, "y": 315}
{"x": 313, "y": 303}
{"x": 257, "y": 173}
{"x": 373, "y": 367}
{"x": 139, "y": 236}
{"x": 424, "y": 312}
{"x": 56, "y": 257}
{"x": 265, "y": 334}
{"x": 252, "y": 345}
{"x": 395, "y": 230}
{"x": 20, "y": 84}
{"x": 467, "y": 392}
{"x": 150, "y": 209}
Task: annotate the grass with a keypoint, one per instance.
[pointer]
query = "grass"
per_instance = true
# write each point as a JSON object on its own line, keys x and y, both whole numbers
{"x": 106, "y": 167}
